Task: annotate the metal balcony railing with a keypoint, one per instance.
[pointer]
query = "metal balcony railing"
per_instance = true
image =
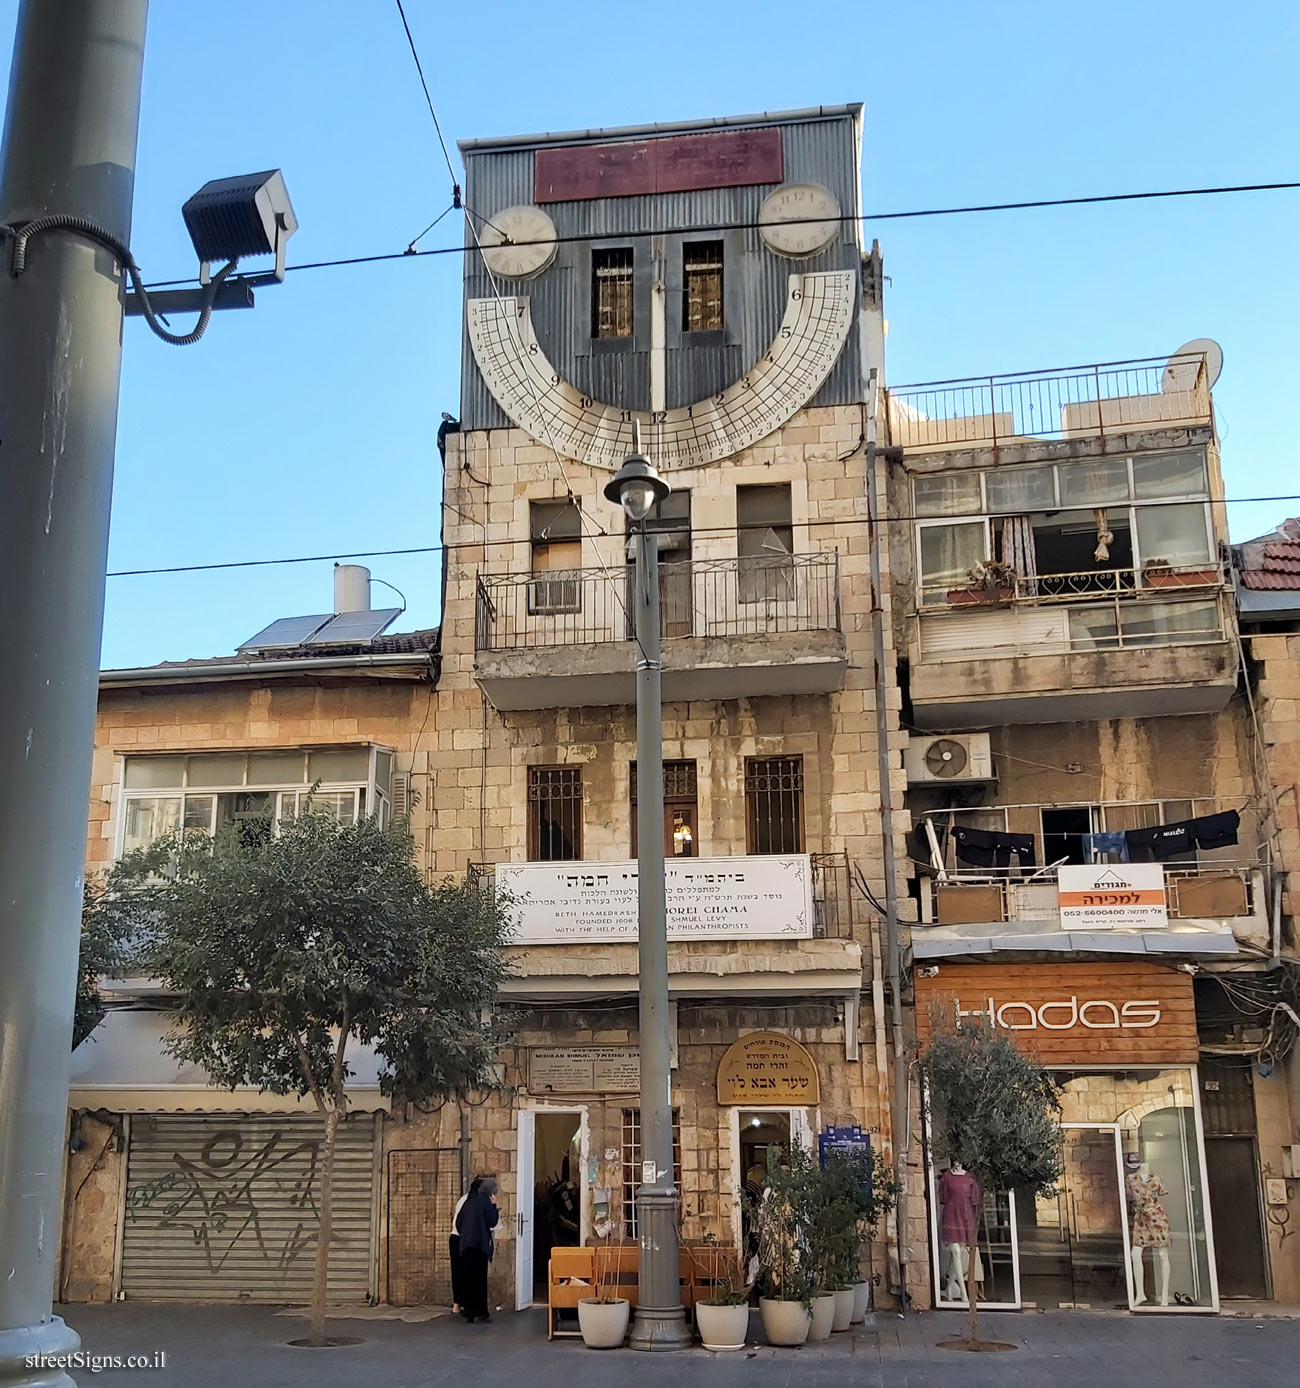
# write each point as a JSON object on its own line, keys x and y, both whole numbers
{"x": 1089, "y": 585}
{"x": 752, "y": 596}
{"x": 1067, "y": 403}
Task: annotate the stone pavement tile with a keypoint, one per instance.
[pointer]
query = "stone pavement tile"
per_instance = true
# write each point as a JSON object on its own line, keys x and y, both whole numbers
{"x": 223, "y": 1346}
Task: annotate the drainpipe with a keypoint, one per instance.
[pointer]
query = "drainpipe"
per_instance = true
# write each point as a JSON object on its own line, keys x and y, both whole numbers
{"x": 893, "y": 955}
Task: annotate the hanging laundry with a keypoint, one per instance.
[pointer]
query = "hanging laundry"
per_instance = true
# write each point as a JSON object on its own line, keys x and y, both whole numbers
{"x": 1162, "y": 842}
{"x": 1216, "y": 830}
{"x": 986, "y": 848}
{"x": 1111, "y": 843}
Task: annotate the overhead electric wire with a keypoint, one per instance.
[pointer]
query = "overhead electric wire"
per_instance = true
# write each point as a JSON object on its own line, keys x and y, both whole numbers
{"x": 419, "y": 67}
{"x": 1093, "y": 199}
{"x": 879, "y": 521}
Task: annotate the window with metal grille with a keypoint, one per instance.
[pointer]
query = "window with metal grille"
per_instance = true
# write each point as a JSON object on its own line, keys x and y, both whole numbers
{"x": 681, "y": 810}
{"x": 702, "y": 287}
{"x": 611, "y": 292}
{"x": 554, "y": 814}
{"x": 632, "y": 1164}
{"x": 764, "y": 542}
{"x": 555, "y": 531}
{"x": 774, "y": 804}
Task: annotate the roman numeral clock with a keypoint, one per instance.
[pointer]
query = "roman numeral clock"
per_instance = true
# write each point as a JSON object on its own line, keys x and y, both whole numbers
{"x": 796, "y": 222}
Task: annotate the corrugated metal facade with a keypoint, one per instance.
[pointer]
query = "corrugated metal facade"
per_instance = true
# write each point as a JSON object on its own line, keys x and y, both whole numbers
{"x": 823, "y": 150}
{"x": 223, "y": 1208}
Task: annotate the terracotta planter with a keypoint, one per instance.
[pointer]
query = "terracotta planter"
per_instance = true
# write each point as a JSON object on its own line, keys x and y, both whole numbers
{"x": 861, "y": 1301}
{"x": 823, "y": 1317}
{"x": 1178, "y": 578}
{"x": 604, "y": 1323}
{"x": 722, "y": 1327}
{"x": 784, "y": 1322}
{"x": 986, "y": 597}
{"x": 843, "y": 1309}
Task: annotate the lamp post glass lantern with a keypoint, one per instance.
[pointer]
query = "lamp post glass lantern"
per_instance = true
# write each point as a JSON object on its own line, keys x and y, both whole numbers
{"x": 660, "y": 1322}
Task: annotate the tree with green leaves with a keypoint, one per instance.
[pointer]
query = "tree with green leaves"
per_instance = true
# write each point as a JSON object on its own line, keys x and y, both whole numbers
{"x": 106, "y": 930}
{"x": 993, "y": 1110}
{"x": 282, "y": 949}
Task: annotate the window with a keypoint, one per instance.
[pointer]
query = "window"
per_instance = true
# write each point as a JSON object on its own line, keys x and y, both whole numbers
{"x": 632, "y": 1163}
{"x": 948, "y": 552}
{"x": 208, "y": 791}
{"x": 681, "y": 810}
{"x": 1094, "y": 482}
{"x": 774, "y": 804}
{"x": 670, "y": 521}
{"x": 1173, "y": 536}
{"x": 702, "y": 287}
{"x": 611, "y": 292}
{"x": 554, "y": 814}
{"x": 555, "y": 530}
{"x": 946, "y": 493}
{"x": 1020, "y": 489}
{"x": 1169, "y": 474}
{"x": 764, "y": 542}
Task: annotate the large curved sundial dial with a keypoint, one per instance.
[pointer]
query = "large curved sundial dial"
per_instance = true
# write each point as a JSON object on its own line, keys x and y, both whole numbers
{"x": 818, "y": 315}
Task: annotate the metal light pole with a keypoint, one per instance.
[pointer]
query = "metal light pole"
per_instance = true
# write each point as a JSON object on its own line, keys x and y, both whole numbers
{"x": 69, "y": 148}
{"x": 660, "y": 1320}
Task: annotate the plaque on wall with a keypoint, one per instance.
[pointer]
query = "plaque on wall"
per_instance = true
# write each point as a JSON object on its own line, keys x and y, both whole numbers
{"x": 767, "y": 1067}
{"x": 584, "y": 1070}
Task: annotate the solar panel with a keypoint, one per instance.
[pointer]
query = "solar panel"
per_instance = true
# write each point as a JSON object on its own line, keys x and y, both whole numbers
{"x": 354, "y": 628}
{"x": 285, "y": 633}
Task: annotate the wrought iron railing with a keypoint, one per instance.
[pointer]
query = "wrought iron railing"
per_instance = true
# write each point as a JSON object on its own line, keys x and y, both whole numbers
{"x": 1088, "y": 585}
{"x": 751, "y": 596}
{"x": 1071, "y": 402}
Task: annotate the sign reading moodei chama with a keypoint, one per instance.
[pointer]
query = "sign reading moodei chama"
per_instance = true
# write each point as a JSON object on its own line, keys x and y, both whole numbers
{"x": 752, "y": 898}
{"x": 1062, "y": 1014}
{"x": 767, "y": 1067}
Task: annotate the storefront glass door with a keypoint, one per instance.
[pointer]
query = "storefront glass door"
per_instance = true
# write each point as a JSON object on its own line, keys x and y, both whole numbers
{"x": 1073, "y": 1245}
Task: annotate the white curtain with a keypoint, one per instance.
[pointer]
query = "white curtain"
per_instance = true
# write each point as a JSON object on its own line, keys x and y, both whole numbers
{"x": 1018, "y": 552}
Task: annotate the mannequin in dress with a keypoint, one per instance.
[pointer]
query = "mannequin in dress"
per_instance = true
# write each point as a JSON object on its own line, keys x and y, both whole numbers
{"x": 960, "y": 1200}
{"x": 1150, "y": 1229}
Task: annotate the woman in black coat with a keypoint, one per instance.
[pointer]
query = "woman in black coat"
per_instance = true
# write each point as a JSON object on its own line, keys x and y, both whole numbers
{"x": 475, "y": 1223}
{"x": 453, "y": 1245}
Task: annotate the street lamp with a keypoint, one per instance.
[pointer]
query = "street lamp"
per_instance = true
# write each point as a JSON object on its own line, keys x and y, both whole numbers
{"x": 660, "y": 1320}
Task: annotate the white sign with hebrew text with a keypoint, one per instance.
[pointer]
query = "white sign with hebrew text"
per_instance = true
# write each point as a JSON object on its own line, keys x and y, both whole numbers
{"x": 750, "y": 898}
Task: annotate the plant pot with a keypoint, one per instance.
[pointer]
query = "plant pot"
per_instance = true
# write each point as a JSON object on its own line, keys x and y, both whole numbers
{"x": 981, "y": 597}
{"x": 823, "y": 1317}
{"x": 861, "y": 1301}
{"x": 784, "y": 1322}
{"x": 1179, "y": 578}
{"x": 722, "y": 1326}
{"x": 843, "y": 1309}
{"x": 603, "y": 1323}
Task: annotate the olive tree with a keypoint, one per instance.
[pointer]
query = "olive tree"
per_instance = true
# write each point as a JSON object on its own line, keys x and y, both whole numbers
{"x": 282, "y": 946}
{"x": 106, "y": 930}
{"x": 992, "y": 1109}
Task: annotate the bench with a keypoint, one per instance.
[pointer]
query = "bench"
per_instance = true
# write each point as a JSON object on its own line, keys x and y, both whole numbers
{"x": 699, "y": 1271}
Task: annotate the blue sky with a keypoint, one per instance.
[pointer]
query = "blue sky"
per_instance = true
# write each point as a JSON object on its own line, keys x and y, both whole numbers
{"x": 307, "y": 426}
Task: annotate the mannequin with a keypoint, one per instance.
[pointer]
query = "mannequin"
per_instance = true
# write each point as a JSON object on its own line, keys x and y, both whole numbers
{"x": 1150, "y": 1229}
{"x": 960, "y": 1200}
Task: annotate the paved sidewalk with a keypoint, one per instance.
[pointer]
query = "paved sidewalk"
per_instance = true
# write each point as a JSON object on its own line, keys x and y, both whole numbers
{"x": 220, "y": 1346}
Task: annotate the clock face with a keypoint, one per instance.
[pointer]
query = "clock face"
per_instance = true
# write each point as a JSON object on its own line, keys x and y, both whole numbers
{"x": 818, "y": 313}
{"x": 504, "y": 240}
{"x": 799, "y": 220}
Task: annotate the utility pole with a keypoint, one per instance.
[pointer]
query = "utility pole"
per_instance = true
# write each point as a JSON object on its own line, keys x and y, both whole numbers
{"x": 70, "y": 148}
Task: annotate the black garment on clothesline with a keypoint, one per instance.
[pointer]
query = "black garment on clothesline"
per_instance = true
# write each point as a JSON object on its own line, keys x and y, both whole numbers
{"x": 1208, "y": 831}
{"x": 1216, "y": 830}
{"x": 987, "y": 848}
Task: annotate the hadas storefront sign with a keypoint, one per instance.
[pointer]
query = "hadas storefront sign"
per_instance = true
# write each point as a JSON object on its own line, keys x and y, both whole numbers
{"x": 1087, "y": 1013}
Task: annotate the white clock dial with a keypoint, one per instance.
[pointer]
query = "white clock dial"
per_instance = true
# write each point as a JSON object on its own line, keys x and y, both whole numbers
{"x": 518, "y": 242}
{"x": 799, "y": 219}
{"x": 818, "y": 314}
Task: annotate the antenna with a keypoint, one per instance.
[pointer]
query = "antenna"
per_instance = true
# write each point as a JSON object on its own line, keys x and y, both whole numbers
{"x": 1181, "y": 371}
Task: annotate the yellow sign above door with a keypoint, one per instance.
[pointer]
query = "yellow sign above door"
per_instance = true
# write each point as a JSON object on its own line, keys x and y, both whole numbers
{"x": 766, "y": 1067}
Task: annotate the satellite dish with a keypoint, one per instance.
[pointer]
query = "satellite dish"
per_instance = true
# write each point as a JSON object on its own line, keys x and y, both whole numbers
{"x": 1180, "y": 373}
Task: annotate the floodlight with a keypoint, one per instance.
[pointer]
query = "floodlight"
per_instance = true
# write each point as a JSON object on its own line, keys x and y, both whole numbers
{"x": 232, "y": 218}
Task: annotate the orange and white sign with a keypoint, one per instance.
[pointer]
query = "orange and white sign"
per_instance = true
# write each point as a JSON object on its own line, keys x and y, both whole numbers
{"x": 1112, "y": 896}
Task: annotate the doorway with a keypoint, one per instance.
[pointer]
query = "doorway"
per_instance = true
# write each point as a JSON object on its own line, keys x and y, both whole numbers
{"x": 753, "y": 1132}
{"x": 1073, "y": 1244}
{"x": 1063, "y": 832}
{"x": 1233, "y": 1179}
{"x": 552, "y": 1155}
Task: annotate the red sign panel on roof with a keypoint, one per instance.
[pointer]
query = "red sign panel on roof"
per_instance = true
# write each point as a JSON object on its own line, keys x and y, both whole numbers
{"x": 672, "y": 164}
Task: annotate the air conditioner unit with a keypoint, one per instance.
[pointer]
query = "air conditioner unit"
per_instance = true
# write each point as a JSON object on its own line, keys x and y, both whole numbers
{"x": 949, "y": 760}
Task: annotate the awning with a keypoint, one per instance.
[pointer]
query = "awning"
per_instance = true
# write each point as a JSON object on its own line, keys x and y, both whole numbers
{"x": 123, "y": 1068}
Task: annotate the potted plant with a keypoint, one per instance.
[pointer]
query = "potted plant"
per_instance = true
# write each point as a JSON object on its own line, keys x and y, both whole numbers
{"x": 832, "y": 1232}
{"x": 874, "y": 1192}
{"x": 991, "y": 581}
{"x": 722, "y": 1317}
{"x": 603, "y": 1318}
{"x": 780, "y": 1218}
{"x": 1160, "y": 573}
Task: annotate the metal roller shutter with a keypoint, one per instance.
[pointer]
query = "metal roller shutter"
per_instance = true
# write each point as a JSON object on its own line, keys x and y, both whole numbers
{"x": 223, "y": 1208}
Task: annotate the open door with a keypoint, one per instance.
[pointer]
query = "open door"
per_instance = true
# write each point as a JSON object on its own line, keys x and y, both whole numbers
{"x": 524, "y": 1160}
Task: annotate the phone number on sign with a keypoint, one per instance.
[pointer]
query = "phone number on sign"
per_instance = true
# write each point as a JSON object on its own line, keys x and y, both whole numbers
{"x": 96, "y": 1363}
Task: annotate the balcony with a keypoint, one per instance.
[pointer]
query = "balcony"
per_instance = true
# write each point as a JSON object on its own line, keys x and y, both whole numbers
{"x": 1106, "y": 643}
{"x": 751, "y": 926}
{"x": 1108, "y": 402}
{"x": 731, "y": 628}
{"x": 1211, "y": 906}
